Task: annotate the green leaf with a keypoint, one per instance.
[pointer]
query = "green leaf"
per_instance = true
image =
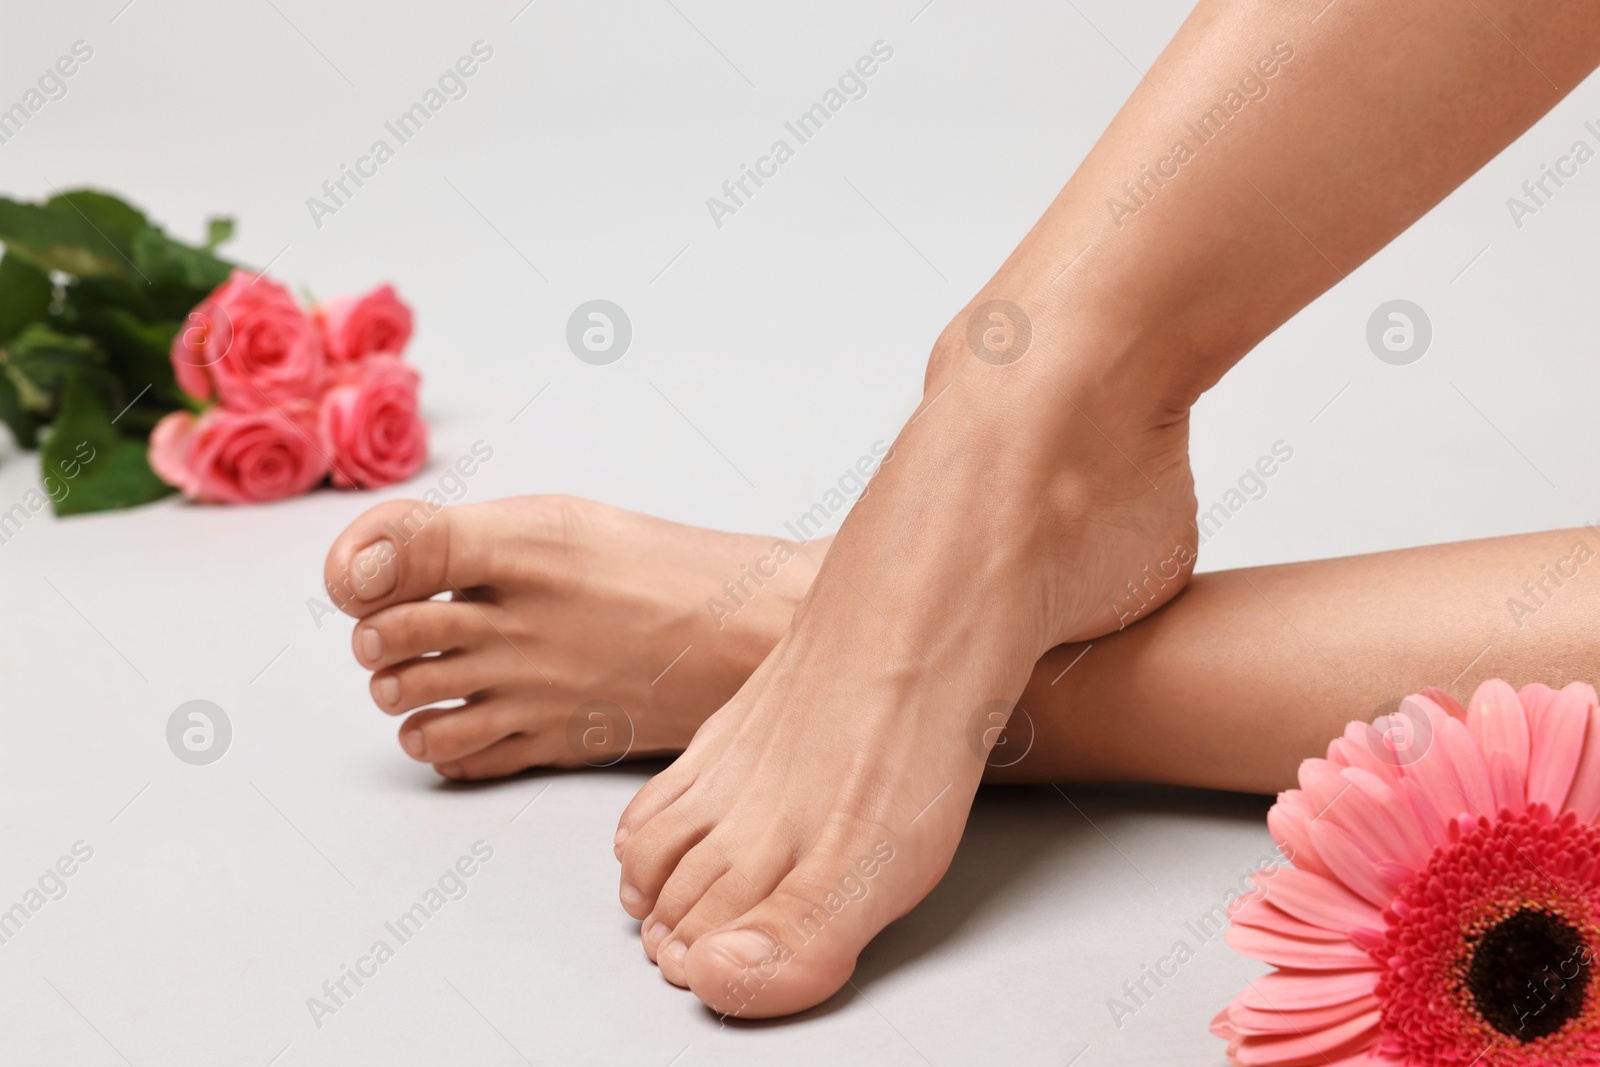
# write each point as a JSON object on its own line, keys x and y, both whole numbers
{"x": 25, "y": 295}
{"x": 39, "y": 360}
{"x": 218, "y": 231}
{"x": 58, "y": 237}
{"x": 137, "y": 350}
{"x": 87, "y": 465}
{"x": 94, "y": 235}
{"x": 24, "y": 424}
{"x": 164, "y": 261}
{"x": 112, "y": 216}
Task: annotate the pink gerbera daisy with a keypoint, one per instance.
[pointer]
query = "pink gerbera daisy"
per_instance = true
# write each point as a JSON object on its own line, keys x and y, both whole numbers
{"x": 1443, "y": 903}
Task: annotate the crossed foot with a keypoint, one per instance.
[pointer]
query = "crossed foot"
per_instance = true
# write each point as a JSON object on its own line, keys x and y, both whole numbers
{"x": 826, "y": 796}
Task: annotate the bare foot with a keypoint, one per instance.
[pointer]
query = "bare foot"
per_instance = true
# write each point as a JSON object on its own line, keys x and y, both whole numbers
{"x": 1023, "y": 509}
{"x": 576, "y": 633}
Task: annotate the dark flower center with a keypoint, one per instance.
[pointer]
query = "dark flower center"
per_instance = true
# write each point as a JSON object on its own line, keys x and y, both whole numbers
{"x": 1529, "y": 974}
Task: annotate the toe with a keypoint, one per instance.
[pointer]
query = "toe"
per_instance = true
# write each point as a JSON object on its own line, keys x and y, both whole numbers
{"x": 406, "y": 631}
{"x": 406, "y": 550}
{"x": 427, "y": 680}
{"x": 507, "y": 756}
{"x": 661, "y": 790}
{"x": 730, "y": 896}
{"x": 445, "y": 735}
{"x": 696, "y": 872}
{"x": 799, "y": 946}
{"x": 651, "y": 854}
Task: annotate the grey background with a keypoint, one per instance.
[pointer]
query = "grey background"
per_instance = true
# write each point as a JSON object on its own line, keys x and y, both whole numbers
{"x": 789, "y": 340}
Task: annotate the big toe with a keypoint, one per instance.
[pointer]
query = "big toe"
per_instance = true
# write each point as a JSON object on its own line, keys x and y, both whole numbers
{"x": 402, "y": 550}
{"x": 799, "y": 946}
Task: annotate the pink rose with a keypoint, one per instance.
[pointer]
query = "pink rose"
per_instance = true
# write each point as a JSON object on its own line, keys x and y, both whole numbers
{"x": 356, "y": 327}
{"x": 240, "y": 457}
{"x": 250, "y": 345}
{"x": 370, "y": 424}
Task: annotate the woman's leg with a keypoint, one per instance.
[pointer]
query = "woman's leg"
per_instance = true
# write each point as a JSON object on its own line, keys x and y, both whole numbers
{"x": 1229, "y": 686}
{"x": 1029, "y": 489}
{"x": 1249, "y": 671}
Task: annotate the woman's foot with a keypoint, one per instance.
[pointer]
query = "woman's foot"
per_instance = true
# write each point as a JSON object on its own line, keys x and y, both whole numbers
{"x": 1027, "y": 506}
{"x": 576, "y": 633}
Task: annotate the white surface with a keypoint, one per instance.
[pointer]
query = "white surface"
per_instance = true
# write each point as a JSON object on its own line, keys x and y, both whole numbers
{"x": 793, "y": 337}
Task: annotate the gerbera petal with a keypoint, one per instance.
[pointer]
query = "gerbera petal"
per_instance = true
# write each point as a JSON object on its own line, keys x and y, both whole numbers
{"x": 1281, "y": 950}
{"x": 1403, "y": 736}
{"x": 1248, "y": 1020}
{"x": 1362, "y": 1057}
{"x": 1446, "y": 703}
{"x": 1470, "y": 793}
{"x": 1321, "y": 901}
{"x": 1536, "y": 698}
{"x": 1500, "y": 724}
{"x": 1583, "y": 797}
{"x": 1351, "y": 863}
{"x": 1261, "y": 913}
{"x": 1302, "y": 1050}
{"x": 1558, "y": 736}
{"x": 1291, "y": 990}
{"x": 1359, "y": 747}
{"x": 1510, "y": 791}
{"x": 1429, "y": 822}
{"x": 1380, "y": 818}
{"x": 1321, "y": 783}
{"x": 1287, "y": 821}
{"x": 1432, "y": 832}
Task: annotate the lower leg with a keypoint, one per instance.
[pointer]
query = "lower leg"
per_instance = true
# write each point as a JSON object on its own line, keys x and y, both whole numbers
{"x": 578, "y": 602}
{"x": 1249, "y": 671}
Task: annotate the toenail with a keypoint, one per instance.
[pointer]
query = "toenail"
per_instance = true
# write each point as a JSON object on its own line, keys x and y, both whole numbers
{"x": 747, "y": 948}
{"x": 371, "y": 645}
{"x": 449, "y": 770}
{"x": 373, "y": 575}
{"x": 631, "y": 895}
{"x": 656, "y": 932}
{"x": 676, "y": 951}
{"x": 389, "y": 691}
{"x": 616, "y": 842}
{"x": 414, "y": 743}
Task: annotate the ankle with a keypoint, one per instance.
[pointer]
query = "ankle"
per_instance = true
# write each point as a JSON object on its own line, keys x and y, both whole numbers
{"x": 1033, "y": 334}
{"x": 1068, "y": 390}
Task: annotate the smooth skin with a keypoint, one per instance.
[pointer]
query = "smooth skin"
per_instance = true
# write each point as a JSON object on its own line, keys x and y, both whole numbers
{"x": 1023, "y": 496}
{"x": 1285, "y": 655}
